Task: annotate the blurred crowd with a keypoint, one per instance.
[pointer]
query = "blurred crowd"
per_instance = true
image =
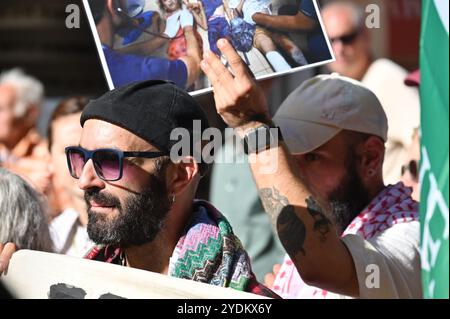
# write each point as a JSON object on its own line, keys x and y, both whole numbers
{"x": 43, "y": 207}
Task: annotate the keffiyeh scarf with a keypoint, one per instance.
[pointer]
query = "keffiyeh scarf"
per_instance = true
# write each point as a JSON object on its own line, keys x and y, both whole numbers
{"x": 392, "y": 206}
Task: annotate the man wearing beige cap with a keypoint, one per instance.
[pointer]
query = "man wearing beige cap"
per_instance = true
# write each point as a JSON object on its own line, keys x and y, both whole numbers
{"x": 346, "y": 233}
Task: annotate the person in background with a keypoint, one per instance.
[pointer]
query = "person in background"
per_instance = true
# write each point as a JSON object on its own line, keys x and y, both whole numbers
{"x": 410, "y": 169}
{"x": 23, "y": 217}
{"x": 68, "y": 229}
{"x": 22, "y": 150}
{"x": 344, "y": 23}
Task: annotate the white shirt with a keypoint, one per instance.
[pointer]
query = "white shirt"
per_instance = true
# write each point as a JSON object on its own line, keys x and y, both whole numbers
{"x": 388, "y": 264}
{"x": 402, "y": 107}
{"x": 68, "y": 235}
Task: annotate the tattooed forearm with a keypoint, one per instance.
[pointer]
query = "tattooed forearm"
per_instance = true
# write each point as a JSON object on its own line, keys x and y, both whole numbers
{"x": 292, "y": 231}
{"x": 290, "y": 228}
{"x": 273, "y": 202}
{"x": 321, "y": 223}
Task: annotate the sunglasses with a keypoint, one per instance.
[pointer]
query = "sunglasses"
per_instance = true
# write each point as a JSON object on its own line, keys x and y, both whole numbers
{"x": 412, "y": 167}
{"x": 346, "y": 39}
{"x": 108, "y": 163}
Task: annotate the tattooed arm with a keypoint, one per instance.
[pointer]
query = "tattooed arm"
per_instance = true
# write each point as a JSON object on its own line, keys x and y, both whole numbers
{"x": 309, "y": 238}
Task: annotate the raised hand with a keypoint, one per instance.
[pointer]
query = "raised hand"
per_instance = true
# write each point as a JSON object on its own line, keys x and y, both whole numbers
{"x": 239, "y": 100}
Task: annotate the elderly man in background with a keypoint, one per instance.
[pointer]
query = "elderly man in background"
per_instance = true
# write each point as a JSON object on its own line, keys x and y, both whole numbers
{"x": 344, "y": 23}
{"x": 21, "y": 148}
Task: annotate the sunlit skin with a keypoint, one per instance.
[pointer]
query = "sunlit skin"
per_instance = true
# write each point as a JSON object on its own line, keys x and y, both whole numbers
{"x": 352, "y": 60}
{"x": 324, "y": 168}
{"x": 134, "y": 175}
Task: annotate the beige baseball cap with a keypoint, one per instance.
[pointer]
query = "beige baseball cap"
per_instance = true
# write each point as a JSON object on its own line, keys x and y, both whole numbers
{"x": 325, "y": 105}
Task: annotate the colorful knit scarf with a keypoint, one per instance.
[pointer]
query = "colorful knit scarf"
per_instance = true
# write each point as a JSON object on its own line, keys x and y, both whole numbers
{"x": 392, "y": 206}
{"x": 207, "y": 252}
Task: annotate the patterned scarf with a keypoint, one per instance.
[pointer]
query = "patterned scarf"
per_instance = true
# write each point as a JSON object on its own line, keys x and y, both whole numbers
{"x": 391, "y": 206}
{"x": 207, "y": 252}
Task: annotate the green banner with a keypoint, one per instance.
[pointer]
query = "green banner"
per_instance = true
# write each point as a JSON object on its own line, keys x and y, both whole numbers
{"x": 434, "y": 166}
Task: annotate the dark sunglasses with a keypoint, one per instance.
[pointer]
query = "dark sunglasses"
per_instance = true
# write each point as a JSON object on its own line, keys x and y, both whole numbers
{"x": 412, "y": 167}
{"x": 108, "y": 163}
{"x": 346, "y": 39}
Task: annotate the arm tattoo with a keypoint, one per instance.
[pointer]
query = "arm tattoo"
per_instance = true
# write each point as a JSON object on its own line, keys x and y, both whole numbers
{"x": 321, "y": 223}
{"x": 273, "y": 202}
{"x": 291, "y": 230}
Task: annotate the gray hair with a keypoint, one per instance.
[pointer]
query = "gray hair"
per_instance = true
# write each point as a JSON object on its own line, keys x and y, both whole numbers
{"x": 29, "y": 91}
{"x": 357, "y": 12}
{"x": 23, "y": 219}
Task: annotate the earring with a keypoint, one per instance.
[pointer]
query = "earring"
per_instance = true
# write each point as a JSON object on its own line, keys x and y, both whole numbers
{"x": 172, "y": 198}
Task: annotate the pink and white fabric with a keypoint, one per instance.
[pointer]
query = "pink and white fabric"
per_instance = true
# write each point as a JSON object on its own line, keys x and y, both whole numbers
{"x": 392, "y": 206}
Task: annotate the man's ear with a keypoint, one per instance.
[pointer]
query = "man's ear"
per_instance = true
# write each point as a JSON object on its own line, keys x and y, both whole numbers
{"x": 182, "y": 174}
{"x": 371, "y": 157}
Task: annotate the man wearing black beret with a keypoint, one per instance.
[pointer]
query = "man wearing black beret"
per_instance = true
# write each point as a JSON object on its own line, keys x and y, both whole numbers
{"x": 141, "y": 205}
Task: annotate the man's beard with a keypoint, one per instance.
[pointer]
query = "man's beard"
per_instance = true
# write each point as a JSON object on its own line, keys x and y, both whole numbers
{"x": 348, "y": 199}
{"x": 139, "y": 220}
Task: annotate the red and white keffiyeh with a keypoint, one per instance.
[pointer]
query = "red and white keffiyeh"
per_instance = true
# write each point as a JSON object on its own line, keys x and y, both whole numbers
{"x": 392, "y": 206}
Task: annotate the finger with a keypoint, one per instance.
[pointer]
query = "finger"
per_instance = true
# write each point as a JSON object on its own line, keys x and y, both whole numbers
{"x": 221, "y": 72}
{"x": 224, "y": 90}
{"x": 217, "y": 86}
{"x": 269, "y": 280}
{"x": 5, "y": 256}
{"x": 206, "y": 68}
{"x": 276, "y": 268}
{"x": 237, "y": 65}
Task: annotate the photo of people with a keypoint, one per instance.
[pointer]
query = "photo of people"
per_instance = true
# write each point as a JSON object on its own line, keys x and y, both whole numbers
{"x": 165, "y": 39}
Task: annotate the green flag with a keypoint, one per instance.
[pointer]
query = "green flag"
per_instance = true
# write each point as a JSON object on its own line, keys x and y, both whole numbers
{"x": 435, "y": 148}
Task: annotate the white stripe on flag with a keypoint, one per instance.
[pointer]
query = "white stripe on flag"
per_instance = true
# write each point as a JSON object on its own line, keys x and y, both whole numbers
{"x": 442, "y": 9}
